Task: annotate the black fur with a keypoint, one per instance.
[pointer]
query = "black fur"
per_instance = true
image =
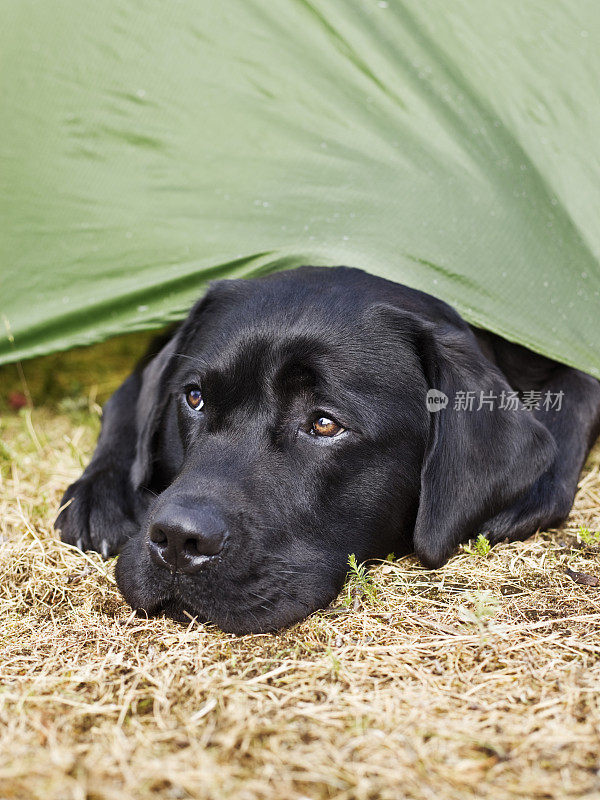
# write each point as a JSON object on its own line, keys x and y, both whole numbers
{"x": 272, "y": 354}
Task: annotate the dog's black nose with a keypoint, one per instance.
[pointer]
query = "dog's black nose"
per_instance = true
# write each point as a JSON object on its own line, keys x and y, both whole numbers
{"x": 184, "y": 538}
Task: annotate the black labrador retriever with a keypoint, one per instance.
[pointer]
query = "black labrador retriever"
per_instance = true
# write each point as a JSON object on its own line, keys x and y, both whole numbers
{"x": 294, "y": 419}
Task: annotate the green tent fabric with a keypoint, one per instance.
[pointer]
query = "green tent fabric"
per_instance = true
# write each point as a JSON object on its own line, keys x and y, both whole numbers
{"x": 149, "y": 146}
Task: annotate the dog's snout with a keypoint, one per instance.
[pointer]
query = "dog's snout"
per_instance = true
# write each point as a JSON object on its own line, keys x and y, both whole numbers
{"x": 183, "y": 538}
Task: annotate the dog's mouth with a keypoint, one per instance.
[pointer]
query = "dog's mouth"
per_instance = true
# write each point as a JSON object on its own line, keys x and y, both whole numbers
{"x": 170, "y": 601}
{"x": 243, "y": 619}
{"x": 174, "y": 603}
{"x": 243, "y": 622}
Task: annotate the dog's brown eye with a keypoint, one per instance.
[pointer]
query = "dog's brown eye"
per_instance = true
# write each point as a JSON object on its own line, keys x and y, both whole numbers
{"x": 325, "y": 427}
{"x": 193, "y": 398}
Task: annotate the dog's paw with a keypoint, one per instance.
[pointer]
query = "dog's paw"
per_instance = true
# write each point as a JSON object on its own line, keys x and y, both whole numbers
{"x": 96, "y": 512}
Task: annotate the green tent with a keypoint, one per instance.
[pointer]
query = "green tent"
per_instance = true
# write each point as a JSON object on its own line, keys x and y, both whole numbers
{"x": 149, "y": 146}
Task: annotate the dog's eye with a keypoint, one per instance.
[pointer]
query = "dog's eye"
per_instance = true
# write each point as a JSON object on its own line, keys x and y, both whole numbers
{"x": 325, "y": 427}
{"x": 193, "y": 397}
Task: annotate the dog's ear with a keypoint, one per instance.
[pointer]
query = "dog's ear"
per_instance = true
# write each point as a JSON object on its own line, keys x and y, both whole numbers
{"x": 478, "y": 458}
{"x": 154, "y": 394}
{"x": 152, "y": 401}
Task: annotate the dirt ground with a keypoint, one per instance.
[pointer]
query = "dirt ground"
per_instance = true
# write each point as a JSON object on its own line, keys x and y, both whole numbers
{"x": 478, "y": 680}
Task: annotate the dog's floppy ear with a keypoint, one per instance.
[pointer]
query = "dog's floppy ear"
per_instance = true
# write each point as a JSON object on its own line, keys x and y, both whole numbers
{"x": 477, "y": 460}
{"x": 152, "y": 401}
{"x": 154, "y": 394}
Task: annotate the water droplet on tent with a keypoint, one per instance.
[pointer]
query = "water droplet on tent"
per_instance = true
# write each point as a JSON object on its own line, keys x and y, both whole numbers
{"x": 435, "y": 281}
{"x": 265, "y": 204}
{"x": 584, "y": 275}
{"x": 546, "y": 284}
{"x": 504, "y": 274}
{"x": 584, "y": 34}
{"x": 384, "y": 4}
{"x": 142, "y": 308}
{"x": 553, "y": 300}
{"x": 65, "y": 300}
{"x": 128, "y": 235}
{"x": 553, "y": 201}
{"x": 306, "y": 227}
{"x": 345, "y": 238}
{"x": 595, "y": 371}
{"x": 141, "y": 93}
{"x": 323, "y": 145}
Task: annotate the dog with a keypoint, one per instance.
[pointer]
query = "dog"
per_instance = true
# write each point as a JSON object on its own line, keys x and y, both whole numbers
{"x": 294, "y": 419}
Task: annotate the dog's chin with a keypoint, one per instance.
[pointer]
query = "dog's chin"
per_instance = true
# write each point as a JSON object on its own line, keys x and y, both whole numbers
{"x": 176, "y": 610}
{"x": 239, "y": 624}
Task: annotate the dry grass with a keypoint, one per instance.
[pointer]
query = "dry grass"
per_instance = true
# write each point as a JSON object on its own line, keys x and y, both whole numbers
{"x": 481, "y": 679}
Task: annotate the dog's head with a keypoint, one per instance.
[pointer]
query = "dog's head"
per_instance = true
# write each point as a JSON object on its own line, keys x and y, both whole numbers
{"x": 285, "y": 426}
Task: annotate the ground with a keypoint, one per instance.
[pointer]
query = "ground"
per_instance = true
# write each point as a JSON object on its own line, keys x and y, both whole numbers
{"x": 478, "y": 680}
